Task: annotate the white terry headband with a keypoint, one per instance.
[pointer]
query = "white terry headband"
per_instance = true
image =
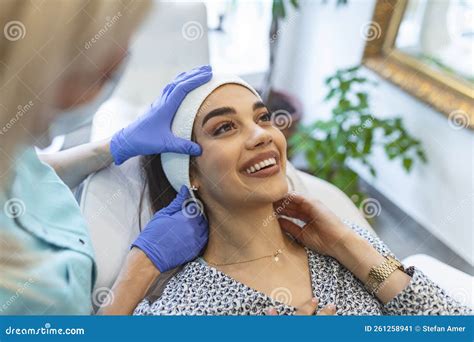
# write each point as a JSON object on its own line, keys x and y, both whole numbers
{"x": 176, "y": 166}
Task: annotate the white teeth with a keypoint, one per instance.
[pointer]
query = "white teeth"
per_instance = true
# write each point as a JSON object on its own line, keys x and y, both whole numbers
{"x": 261, "y": 165}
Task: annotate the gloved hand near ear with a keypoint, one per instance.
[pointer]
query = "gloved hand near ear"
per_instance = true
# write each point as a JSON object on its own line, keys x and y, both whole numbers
{"x": 151, "y": 133}
{"x": 176, "y": 234}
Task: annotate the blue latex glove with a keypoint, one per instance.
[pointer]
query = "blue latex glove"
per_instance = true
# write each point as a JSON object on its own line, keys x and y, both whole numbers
{"x": 151, "y": 133}
{"x": 175, "y": 235}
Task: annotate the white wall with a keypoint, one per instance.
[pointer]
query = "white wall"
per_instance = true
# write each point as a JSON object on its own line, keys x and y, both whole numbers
{"x": 439, "y": 195}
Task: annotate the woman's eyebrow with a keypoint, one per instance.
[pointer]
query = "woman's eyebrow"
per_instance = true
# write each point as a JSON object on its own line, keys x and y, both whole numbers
{"x": 259, "y": 104}
{"x": 217, "y": 112}
{"x": 228, "y": 110}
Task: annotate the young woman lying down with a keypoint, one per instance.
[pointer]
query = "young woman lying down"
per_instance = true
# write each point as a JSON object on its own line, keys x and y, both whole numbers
{"x": 257, "y": 262}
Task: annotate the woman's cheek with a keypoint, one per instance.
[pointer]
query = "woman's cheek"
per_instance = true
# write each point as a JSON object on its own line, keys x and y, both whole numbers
{"x": 222, "y": 163}
{"x": 213, "y": 162}
{"x": 280, "y": 141}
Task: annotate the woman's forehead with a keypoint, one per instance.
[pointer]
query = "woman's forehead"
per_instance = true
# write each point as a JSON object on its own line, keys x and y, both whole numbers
{"x": 227, "y": 95}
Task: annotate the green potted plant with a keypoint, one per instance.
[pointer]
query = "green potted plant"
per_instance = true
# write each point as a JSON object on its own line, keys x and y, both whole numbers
{"x": 351, "y": 134}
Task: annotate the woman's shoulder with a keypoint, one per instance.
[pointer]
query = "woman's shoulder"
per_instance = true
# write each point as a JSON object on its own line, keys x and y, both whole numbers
{"x": 188, "y": 292}
{"x": 157, "y": 301}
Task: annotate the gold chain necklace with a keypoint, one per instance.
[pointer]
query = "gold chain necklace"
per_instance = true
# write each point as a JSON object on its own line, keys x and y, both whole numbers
{"x": 275, "y": 256}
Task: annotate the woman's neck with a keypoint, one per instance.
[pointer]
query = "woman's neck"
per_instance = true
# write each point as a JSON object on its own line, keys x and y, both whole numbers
{"x": 243, "y": 234}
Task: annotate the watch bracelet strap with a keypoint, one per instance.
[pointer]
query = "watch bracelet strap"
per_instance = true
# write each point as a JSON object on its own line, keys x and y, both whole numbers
{"x": 378, "y": 274}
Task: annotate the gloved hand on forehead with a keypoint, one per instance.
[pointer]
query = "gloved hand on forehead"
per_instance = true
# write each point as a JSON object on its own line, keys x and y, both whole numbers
{"x": 151, "y": 133}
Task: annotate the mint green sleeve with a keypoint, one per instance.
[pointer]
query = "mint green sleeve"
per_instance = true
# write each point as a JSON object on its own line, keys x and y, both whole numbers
{"x": 46, "y": 256}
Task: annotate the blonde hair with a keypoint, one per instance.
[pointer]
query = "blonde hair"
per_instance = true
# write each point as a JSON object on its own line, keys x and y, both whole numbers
{"x": 39, "y": 40}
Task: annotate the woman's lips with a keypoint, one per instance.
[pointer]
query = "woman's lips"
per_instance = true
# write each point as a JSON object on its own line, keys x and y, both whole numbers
{"x": 265, "y": 172}
{"x": 265, "y": 164}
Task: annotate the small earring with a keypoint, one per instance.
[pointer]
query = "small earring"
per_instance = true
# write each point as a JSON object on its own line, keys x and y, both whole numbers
{"x": 194, "y": 188}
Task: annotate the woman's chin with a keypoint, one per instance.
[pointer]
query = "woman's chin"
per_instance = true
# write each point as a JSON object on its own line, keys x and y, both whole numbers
{"x": 254, "y": 191}
{"x": 271, "y": 191}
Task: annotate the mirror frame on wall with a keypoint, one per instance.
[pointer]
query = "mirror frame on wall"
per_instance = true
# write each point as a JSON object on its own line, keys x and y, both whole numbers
{"x": 453, "y": 97}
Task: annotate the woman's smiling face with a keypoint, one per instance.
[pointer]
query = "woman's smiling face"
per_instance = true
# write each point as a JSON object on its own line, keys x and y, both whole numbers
{"x": 244, "y": 155}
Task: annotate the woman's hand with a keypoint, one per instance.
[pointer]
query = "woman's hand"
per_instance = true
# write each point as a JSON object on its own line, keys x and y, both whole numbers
{"x": 175, "y": 235}
{"x": 325, "y": 233}
{"x": 323, "y": 230}
{"x": 309, "y": 308}
{"x": 151, "y": 133}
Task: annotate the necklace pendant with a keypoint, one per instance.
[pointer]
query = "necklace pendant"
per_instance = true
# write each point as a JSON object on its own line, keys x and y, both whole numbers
{"x": 275, "y": 256}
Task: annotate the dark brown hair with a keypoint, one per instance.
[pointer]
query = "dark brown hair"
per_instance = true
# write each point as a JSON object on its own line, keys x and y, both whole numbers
{"x": 160, "y": 191}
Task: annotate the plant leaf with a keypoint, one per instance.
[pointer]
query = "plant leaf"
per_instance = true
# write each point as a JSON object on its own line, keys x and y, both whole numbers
{"x": 278, "y": 9}
{"x": 407, "y": 164}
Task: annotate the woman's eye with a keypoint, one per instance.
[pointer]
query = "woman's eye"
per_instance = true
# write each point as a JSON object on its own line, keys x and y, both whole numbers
{"x": 225, "y": 127}
{"x": 265, "y": 117}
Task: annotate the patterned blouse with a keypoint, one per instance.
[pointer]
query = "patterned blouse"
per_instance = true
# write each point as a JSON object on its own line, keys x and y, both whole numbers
{"x": 199, "y": 289}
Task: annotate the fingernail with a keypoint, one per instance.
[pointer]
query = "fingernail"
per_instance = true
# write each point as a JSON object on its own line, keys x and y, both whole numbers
{"x": 314, "y": 300}
{"x": 331, "y": 306}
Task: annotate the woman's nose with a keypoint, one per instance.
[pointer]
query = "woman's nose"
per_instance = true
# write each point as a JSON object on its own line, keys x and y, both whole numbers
{"x": 259, "y": 137}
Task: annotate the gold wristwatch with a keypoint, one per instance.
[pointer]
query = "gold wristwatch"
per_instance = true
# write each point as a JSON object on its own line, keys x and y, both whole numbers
{"x": 378, "y": 274}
